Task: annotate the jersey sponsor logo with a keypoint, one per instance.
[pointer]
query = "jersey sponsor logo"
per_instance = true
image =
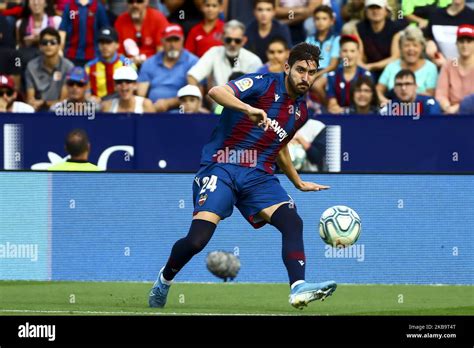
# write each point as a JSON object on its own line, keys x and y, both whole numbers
{"x": 277, "y": 97}
{"x": 244, "y": 84}
{"x": 279, "y": 130}
{"x": 202, "y": 199}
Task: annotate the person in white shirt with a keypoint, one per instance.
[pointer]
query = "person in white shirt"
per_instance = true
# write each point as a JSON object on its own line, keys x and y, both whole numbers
{"x": 125, "y": 79}
{"x": 8, "y": 97}
{"x": 220, "y": 62}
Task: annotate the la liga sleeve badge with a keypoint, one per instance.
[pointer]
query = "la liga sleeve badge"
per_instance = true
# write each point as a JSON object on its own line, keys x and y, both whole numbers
{"x": 244, "y": 84}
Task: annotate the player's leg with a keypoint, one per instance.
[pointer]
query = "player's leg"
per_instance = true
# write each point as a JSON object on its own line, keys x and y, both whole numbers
{"x": 213, "y": 201}
{"x": 286, "y": 219}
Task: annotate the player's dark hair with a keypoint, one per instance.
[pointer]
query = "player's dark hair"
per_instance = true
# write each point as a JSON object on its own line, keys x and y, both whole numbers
{"x": 50, "y": 31}
{"x": 324, "y": 8}
{"x": 77, "y": 142}
{"x": 364, "y": 80}
{"x": 345, "y": 39}
{"x": 256, "y": 2}
{"x": 405, "y": 72}
{"x": 279, "y": 39}
{"x": 304, "y": 51}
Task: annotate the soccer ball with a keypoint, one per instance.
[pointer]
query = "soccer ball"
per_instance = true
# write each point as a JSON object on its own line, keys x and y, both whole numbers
{"x": 339, "y": 226}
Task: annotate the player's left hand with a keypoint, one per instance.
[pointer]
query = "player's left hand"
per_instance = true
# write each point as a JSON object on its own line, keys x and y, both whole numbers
{"x": 311, "y": 186}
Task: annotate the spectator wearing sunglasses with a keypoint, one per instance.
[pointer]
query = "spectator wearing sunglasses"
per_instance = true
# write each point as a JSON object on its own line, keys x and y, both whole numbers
{"x": 164, "y": 74}
{"x": 76, "y": 102}
{"x": 221, "y": 61}
{"x": 139, "y": 30}
{"x": 101, "y": 69}
{"x": 45, "y": 74}
{"x": 8, "y": 97}
{"x": 125, "y": 80}
{"x": 79, "y": 31}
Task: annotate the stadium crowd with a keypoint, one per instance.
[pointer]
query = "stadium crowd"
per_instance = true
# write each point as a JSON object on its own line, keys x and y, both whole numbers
{"x": 164, "y": 55}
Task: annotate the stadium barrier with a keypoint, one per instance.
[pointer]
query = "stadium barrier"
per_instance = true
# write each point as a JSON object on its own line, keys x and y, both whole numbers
{"x": 416, "y": 229}
{"x": 173, "y": 142}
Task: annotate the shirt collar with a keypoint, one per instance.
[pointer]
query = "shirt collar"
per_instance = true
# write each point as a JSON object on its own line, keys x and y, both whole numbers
{"x": 329, "y": 36}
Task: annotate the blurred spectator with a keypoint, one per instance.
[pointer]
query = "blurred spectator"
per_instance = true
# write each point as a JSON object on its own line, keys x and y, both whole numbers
{"x": 339, "y": 81}
{"x": 412, "y": 47}
{"x": 8, "y": 96}
{"x": 277, "y": 55}
{"x": 353, "y": 10}
{"x": 308, "y": 147}
{"x": 139, "y": 30}
{"x": 37, "y": 15}
{"x": 209, "y": 32}
{"x": 125, "y": 79}
{"x": 76, "y": 102}
{"x": 456, "y": 79}
{"x": 442, "y": 28}
{"x": 81, "y": 21}
{"x": 241, "y": 11}
{"x": 186, "y": 13}
{"x": 78, "y": 147}
{"x": 265, "y": 28}
{"x": 45, "y": 74}
{"x": 101, "y": 69}
{"x": 294, "y": 13}
{"x": 219, "y": 62}
{"x": 406, "y": 101}
{"x": 165, "y": 73}
{"x": 325, "y": 38}
{"x": 364, "y": 97}
{"x": 419, "y": 11}
{"x": 10, "y": 59}
{"x": 11, "y": 9}
{"x": 190, "y": 100}
{"x": 467, "y": 105}
{"x": 379, "y": 36}
{"x": 59, "y": 6}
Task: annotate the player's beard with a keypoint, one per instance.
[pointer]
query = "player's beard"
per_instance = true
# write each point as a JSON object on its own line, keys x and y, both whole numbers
{"x": 294, "y": 88}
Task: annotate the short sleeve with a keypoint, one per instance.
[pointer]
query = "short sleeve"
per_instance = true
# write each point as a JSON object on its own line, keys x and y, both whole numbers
{"x": 431, "y": 76}
{"x": 335, "y": 48}
{"x": 250, "y": 85}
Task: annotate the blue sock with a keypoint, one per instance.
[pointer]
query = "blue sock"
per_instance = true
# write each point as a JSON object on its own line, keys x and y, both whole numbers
{"x": 199, "y": 235}
{"x": 289, "y": 223}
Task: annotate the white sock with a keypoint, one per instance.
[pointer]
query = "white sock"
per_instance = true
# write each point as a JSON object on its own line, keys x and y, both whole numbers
{"x": 298, "y": 282}
{"x": 164, "y": 281}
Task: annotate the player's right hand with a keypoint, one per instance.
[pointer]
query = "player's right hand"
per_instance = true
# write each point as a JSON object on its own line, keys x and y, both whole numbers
{"x": 259, "y": 117}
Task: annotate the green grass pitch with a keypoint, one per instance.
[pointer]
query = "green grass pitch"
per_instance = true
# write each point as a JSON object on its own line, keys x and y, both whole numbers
{"x": 122, "y": 298}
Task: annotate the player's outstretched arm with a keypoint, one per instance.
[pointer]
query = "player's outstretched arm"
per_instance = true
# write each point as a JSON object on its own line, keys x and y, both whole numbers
{"x": 225, "y": 96}
{"x": 284, "y": 162}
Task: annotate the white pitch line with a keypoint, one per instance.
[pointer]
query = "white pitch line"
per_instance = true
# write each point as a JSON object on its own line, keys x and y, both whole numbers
{"x": 140, "y": 313}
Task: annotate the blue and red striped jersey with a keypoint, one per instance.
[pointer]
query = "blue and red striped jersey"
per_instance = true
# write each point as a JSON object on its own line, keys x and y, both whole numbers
{"x": 238, "y": 141}
{"x": 339, "y": 88}
{"x": 81, "y": 24}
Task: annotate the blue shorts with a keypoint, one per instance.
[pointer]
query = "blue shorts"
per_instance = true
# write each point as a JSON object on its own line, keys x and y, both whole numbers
{"x": 219, "y": 186}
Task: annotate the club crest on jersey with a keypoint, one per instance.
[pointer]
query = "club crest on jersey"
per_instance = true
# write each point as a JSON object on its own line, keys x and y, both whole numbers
{"x": 297, "y": 113}
{"x": 244, "y": 84}
{"x": 202, "y": 199}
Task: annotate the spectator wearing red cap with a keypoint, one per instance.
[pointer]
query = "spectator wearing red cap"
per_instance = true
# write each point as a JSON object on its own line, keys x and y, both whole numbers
{"x": 338, "y": 87}
{"x": 8, "y": 97}
{"x": 139, "y": 30}
{"x": 441, "y": 30}
{"x": 209, "y": 32}
{"x": 456, "y": 79}
{"x": 162, "y": 75}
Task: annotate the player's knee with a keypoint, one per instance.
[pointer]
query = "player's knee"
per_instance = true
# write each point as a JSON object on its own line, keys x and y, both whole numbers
{"x": 287, "y": 219}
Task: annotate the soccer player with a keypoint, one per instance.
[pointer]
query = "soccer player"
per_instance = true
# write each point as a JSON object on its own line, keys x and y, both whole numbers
{"x": 261, "y": 115}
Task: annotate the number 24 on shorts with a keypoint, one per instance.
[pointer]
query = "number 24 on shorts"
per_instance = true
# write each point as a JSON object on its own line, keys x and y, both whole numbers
{"x": 209, "y": 184}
